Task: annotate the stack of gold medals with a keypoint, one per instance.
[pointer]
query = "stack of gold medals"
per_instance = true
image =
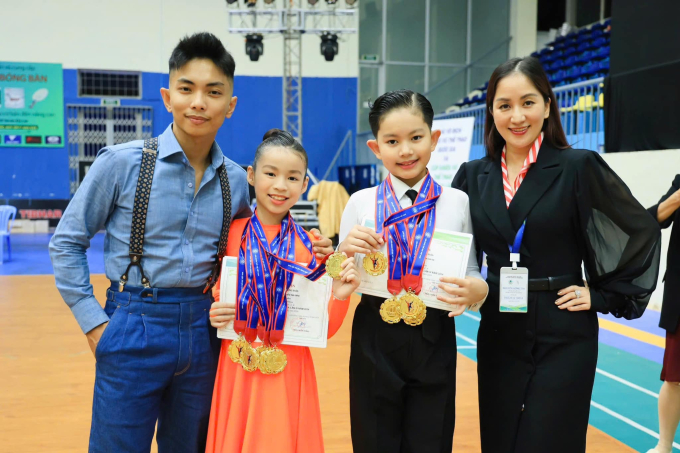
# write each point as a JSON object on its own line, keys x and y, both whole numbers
{"x": 266, "y": 359}
{"x": 408, "y": 235}
{"x": 408, "y": 307}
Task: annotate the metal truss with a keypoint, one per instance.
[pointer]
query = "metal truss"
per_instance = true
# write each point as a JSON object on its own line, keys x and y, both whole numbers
{"x": 291, "y": 20}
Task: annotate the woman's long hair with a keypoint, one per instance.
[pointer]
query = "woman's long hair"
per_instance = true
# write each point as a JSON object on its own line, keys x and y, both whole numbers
{"x": 532, "y": 69}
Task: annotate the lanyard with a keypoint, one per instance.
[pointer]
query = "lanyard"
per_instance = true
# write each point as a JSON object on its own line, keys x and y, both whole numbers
{"x": 514, "y": 248}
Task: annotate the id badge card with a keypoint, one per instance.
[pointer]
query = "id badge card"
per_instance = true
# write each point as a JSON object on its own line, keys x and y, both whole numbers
{"x": 514, "y": 290}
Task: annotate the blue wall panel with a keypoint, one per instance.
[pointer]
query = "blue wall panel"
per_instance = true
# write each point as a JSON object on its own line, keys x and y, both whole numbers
{"x": 329, "y": 110}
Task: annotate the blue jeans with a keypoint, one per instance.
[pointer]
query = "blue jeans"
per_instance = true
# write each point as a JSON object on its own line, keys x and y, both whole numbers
{"x": 156, "y": 361}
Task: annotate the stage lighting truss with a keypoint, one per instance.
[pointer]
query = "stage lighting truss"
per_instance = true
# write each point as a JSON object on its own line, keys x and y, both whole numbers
{"x": 290, "y": 19}
{"x": 271, "y": 19}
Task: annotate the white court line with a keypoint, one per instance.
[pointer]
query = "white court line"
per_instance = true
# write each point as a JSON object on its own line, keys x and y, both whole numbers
{"x": 468, "y": 339}
{"x": 629, "y": 422}
{"x": 628, "y": 383}
{"x": 469, "y": 315}
{"x": 467, "y": 347}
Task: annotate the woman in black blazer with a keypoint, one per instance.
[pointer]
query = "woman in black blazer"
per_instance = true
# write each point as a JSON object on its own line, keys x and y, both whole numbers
{"x": 667, "y": 212}
{"x": 536, "y": 369}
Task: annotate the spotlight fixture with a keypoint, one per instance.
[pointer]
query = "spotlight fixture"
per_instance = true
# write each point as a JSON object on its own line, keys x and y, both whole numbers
{"x": 254, "y": 46}
{"x": 229, "y": 2}
{"x": 329, "y": 45}
{"x": 269, "y": 2}
{"x": 350, "y": 2}
{"x": 331, "y": 2}
{"x": 250, "y": 3}
{"x": 312, "y": 2}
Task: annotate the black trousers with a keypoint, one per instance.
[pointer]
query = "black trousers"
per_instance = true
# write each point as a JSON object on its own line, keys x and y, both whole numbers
{"x": 402, "y": 385}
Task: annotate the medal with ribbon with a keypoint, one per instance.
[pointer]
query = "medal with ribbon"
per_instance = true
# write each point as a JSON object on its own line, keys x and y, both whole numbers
{"x": 266, "y": 272}
{"x": 409, "y": 235}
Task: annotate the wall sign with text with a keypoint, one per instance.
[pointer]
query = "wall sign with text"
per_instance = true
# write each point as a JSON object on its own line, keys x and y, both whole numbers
{"x": 31, "y": 104}
{"x": 453, "y": 148}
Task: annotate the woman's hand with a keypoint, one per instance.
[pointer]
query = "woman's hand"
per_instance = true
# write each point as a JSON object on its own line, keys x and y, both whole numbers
{"x": 469, "y": 291}
{"x": 221, "y": 313}
{"x": 349, "y": 280}
{"x": 361, "y": 240}
{"x": 574, "y": 298}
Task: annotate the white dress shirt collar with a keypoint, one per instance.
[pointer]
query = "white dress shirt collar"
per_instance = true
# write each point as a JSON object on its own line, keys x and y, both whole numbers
{"x": 401, "y": 187}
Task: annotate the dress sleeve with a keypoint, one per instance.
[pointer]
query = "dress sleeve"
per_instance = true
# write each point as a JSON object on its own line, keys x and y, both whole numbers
{"x": 216, "y": 289}
{"x": 622, "y": 241}
{"x": 337, "y": 309}
{"x": 654, "y": 209}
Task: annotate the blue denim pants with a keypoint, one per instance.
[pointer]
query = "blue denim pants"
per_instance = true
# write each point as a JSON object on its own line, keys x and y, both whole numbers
{"x": 156, "y": 362}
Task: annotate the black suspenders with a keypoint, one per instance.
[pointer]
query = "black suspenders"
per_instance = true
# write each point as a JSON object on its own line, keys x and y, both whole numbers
{"x": 141, "y": 206}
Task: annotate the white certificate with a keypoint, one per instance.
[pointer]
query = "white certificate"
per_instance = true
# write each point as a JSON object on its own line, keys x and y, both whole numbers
{"x": 448, "y": 256}
{"x": 307, "y": 317}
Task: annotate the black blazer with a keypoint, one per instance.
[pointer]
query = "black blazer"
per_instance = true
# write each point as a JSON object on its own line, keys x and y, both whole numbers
{"x": 670, "y": 310}
{"x": 576, "y": 209}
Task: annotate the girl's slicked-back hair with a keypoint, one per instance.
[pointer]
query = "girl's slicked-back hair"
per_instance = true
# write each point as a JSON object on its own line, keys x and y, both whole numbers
{"x": 278, "y": 138}
{"x": 395, "y": 100}
{"x": 532, "y": 69}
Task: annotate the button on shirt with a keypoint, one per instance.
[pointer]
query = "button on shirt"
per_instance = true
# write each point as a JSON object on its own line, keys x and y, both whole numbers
{"x": 182, "y": 229}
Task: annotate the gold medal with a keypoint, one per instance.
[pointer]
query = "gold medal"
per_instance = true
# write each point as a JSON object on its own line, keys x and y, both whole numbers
{"x": 262, "y": 352}
{"x": 375, "y": 263}
{"x": 274, "y": 362}
{"x": 390, "y": 311}
{"x": 250, "y": 358}
{"x": 334, "y": 265}
{"x": 413, "y": 309}
{"x": 234, "y": 349}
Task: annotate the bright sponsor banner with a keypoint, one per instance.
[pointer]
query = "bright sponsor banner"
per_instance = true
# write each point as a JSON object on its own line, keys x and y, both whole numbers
{"x": 31, "y": 104}
{"x": 453, "y": 148}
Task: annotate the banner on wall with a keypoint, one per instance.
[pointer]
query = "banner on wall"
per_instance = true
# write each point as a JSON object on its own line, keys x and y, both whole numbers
{"x": 51, "y": 210}
{"x": 453, "y": 148}
{"x": 31, "y": 104}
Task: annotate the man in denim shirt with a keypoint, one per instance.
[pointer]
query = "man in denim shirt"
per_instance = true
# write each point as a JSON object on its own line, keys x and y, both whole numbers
{"x": 155, "y": 349}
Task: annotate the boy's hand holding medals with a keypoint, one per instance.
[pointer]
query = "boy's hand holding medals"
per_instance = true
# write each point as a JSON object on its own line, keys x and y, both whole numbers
{"x": 408, "y": 307}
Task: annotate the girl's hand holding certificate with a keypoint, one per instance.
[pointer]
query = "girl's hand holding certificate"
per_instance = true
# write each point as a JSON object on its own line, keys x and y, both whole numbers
{"x": 221, "y": 313}
{"x": 469, "y": 291}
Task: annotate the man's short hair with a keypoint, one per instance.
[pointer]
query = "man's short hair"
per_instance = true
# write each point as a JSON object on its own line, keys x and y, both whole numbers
{"x": 202, "y": 45}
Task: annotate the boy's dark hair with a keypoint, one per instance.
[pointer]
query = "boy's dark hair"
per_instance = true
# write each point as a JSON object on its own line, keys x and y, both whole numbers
{"x": 532, "y": 69}
{"x": 395, "y": 100}
{"x": 277, "y": 137}
{"x": 202, "y": 45}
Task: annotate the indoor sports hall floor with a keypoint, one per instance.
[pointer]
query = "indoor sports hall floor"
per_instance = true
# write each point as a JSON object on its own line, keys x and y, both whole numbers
{"x": 47, "y": 370}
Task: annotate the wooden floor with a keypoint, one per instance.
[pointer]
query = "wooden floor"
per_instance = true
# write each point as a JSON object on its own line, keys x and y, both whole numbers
{"x": 47, "y": 376}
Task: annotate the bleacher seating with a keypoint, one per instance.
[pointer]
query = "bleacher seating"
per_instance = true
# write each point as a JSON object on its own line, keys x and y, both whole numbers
{"x": 579, "y": 56}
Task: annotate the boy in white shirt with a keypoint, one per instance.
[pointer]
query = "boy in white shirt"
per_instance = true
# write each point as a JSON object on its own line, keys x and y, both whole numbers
{"x": 403, "y": 374}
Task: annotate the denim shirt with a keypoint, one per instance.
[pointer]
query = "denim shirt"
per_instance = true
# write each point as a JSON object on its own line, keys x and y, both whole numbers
{"x": 182, "y": 230}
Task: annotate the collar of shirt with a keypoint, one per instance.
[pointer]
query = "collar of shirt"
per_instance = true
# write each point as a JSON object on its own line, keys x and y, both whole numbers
{"x": 168, "y": 145}
{"x": 401, "y": 187}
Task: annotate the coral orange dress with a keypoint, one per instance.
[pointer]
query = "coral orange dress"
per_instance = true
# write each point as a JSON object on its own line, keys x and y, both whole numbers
{"x": 256, "y": 413}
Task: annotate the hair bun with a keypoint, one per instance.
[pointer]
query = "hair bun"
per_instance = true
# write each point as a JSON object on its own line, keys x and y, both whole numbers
{"x": 273, "y": 133}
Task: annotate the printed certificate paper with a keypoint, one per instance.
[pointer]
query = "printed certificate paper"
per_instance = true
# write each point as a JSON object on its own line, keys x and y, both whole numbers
{"x": 307, "y": 318}
{"x": 448, "y": 256}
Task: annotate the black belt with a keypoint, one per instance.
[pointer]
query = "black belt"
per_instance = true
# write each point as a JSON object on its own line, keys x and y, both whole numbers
{"x": 545, "y": 283}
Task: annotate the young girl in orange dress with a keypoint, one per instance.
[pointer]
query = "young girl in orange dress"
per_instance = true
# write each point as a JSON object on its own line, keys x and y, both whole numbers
{"x": 266, "y": 409}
